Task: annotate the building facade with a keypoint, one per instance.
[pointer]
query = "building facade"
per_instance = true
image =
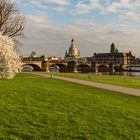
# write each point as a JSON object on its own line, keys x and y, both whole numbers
{"x": 114, "y": 57}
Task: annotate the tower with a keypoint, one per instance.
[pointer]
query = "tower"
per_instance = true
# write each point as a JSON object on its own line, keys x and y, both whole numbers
{"x": 112, "y": 49}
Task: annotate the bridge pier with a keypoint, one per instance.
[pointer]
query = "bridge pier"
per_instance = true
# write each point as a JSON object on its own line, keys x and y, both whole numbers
{"x": 94, "y": 67}
{"x": 45, "y": 66}
{"x": 72, "y": 67}
{"x": 111, "y": 68}
{"x": 122, "y": 67}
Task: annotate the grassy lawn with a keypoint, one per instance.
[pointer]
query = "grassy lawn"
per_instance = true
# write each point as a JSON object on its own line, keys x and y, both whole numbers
{"x": 133, "y": 82}
{"x": 35, "y": 108}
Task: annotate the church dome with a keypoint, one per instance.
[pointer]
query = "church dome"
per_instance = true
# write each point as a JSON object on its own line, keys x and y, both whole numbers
{"x": 73, "y": 51}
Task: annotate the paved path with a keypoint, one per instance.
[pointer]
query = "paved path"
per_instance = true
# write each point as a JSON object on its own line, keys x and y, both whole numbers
{"x": 125, "y": 90}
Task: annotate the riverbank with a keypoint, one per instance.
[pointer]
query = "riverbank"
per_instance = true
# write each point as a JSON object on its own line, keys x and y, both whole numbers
{"x": 124, "y": 90}
{"x": 132, "y": 82}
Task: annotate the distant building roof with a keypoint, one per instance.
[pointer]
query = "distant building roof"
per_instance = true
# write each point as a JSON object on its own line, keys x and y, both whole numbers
{"x": 110, "y": 54}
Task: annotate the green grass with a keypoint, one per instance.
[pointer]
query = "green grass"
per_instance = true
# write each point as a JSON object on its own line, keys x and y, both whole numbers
{"x": 133, "y": 82}
{"x": 35, "y": 108}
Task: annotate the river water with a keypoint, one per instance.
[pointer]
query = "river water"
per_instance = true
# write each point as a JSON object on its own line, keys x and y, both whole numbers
{"x": 129, "y": 74}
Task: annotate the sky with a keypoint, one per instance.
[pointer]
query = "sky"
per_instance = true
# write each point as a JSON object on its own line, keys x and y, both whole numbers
{"x": 94, "y": 24}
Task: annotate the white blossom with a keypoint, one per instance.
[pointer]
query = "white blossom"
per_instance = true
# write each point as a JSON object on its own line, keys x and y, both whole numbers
{"x": 9, "y": 58}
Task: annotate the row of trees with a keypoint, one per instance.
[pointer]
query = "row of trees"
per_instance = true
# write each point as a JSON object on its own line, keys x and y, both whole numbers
{"x": 11, "y": 25}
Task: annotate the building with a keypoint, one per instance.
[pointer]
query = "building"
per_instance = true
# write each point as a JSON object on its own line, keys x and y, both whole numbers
{"x": 72, "y": 52}
{"x": 114, "y": 57}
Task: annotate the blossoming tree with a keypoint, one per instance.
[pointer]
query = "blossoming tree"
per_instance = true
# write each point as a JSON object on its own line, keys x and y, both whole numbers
{"x": 11, "y": 25}
{"x": 9, "y": 58}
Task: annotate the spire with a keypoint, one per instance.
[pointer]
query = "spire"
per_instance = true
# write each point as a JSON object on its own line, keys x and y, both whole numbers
{"x": 73, "y": 44}
{"x": 112, "y": 45}
{"x": 116, "y": 50}
{"x": 72, "y": 40}
{"x": 112, "y": 49}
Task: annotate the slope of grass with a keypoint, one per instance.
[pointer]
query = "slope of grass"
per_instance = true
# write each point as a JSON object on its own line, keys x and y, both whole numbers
{"x": 133, "y": 82}
{"x": 35, "y": 108}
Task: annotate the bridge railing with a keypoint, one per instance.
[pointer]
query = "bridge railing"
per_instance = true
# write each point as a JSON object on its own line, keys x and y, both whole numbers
{"x": 31, "y": 59}
{"x": 57, "y": 61}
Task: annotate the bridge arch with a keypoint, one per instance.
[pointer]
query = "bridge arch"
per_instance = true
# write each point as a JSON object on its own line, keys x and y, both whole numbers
{"x": 62, "y": 67}
{"x": 83, "y": 68}
{"x": 103, "y": 68}
{"x": 117, "y": 68}
{"x": 33, "y": 67}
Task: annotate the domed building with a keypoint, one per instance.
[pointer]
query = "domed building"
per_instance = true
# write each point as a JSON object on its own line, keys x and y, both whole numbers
{"x": 73, "y": 51}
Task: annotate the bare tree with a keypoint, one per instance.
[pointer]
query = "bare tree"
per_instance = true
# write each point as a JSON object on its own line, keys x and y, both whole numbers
{"x": 11, "y": 21}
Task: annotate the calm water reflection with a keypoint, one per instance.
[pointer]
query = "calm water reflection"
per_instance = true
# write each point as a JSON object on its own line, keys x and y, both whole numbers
{"x": 130, "y": 74}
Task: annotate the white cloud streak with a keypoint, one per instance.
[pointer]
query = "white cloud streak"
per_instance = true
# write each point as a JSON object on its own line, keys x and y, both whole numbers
{"x": 121, "y": 7}
{"x": 58, "y": 2}
{"x": 130, "y": 17}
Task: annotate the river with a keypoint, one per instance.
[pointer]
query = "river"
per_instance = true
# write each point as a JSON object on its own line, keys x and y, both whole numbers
{"x": 130, "y": 74}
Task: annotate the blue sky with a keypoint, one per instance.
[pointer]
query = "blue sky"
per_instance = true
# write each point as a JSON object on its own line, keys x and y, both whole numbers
{"x": 95, "y": 24}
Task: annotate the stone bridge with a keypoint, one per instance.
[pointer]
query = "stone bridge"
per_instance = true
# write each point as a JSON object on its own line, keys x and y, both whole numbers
{"x": 65, "y": 66}
{"x": 40, "y": 64}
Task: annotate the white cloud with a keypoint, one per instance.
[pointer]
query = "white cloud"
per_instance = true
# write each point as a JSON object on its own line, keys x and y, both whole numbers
{"x": 83, "y": 8}
{"x": 43, "y": 36}
{"x": 39, "y": 6}
{"x": 130, "y": 17}
{"x": 107, "y": 7}
{"x": 58, "y": 2}
{"x": 115, "y": 7}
